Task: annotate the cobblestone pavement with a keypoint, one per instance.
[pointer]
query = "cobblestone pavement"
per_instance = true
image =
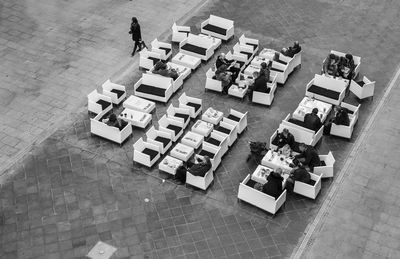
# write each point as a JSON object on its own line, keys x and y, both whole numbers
{"x": 74, "y": 189}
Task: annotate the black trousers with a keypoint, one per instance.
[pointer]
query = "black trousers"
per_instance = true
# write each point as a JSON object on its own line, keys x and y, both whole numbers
{"x": 137, "y": 44}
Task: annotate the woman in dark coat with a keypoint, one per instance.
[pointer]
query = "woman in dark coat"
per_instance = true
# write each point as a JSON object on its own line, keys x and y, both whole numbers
{"x": 136, "y": 34}
{"x": 273, "y": 187}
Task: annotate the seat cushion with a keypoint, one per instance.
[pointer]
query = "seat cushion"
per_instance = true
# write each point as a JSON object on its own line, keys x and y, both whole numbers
{"x": 167, "y": 50}
{"x": 164, "y": 141}
{"x": 150, "y": 152}
{"x": 277, "y": 70}
{"x": 233, "y": 117}
{"x": 193, "y": 48}
{"x": 213, "y": 141}
{"x": 206, "y": 153}
{"x": 185, "y": 117}
{"x": 104, "y": 104}
{"x": 196, "y": 106}
{"x": 324, "y": 92}
{"x": 175, "y": 128}
{"x": 155, "y": 60}
{"x": 281, "y": 61}
{"x": 149, "y": 89}
{"x": 216, "y": 29}
{"x": 246, "y": 53}
{"x": 223, "y": 130}
{"x": 252, "y": 45}
{"x": 118, "y": 92}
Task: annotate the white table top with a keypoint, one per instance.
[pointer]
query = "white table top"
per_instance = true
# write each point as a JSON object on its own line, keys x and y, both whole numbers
{"x": 170, "y": 163}
{"x": 261, "y": 173}
{"x": 184, "y": 59}
{"x": 192, "y": 139}
{"x": 136, "y": 103}
{"x": 257, "y": 60}
{"x": 202, "y": 127}
{"x": 267, "y": 53}
{"x": 275, "y": 160}
{"x": 250, "y": 69}
{"x": 213, "y": 116}
{"x": 309, "y": 102}
{"x": 238, "y": 91}
{"x": 132, "y": 115}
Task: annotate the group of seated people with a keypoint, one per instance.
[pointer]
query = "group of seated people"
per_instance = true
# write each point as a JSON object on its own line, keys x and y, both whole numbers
{"x": 161, "y": 68}
{"x": 291, "y": 50}
{"x": 226, "y": 71}
{"x": 339, "y": 66}
{"x": 341, "y": 117}
{"x": 198, "y": 167}
{"x": 114, "y": 121}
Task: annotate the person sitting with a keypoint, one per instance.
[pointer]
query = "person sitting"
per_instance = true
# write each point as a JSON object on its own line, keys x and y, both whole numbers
{"x": 298, "y": 173}
{"x": 351, "y": 66}
{"x": 162, "y": 69}
{"x": 341, "y": 117}
{"x": 251, "y": 85}
{"x": 285, "y": 138}
{"x": 273, "y": 186}
{"x": 330, "y": 65}
{"x": 180, "y": 175}
{"x": 296, "y": 48}
{"x": 266, "y": 69}
{"x": 308, "y": 156}
{"x": 221, "y": 60}
{"x": 113, "y": 121}
{"x": 312, "y": 120}
{"x": 260, "y": 83}
{"x": 225, "y": 77}
{"x": 232, "y": 65}
{"x": 200, "y": 166}
{"x": 287, "y": 51}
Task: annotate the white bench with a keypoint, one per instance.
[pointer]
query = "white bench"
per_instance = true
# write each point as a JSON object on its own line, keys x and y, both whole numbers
{"x": 159, "y": 138}
{"x": 218, "y": 27}
{"x": 214, "y": 153}
{"x": 101, "y": 129}
{"x": 197, "y": 46}
{"x": 99, "y": 103}
{"x": 116, "y": 92}
{"x": 145, "y": 153}
{"x": 326, "y": 89}
{"x": 238, "y": 119}
{"x": 218, "y": 141}
{"x": 308, "y": 190}
{"x": 148, "y": 58}
{"x": 171, "y": 126}
{"x": 162, "y": 48}
{"x": 243, "y": 49}
{"x": 326, "y": 171}
{"x": 343, "y": 130}
{"x": 364, "y": 89}
{"x": 180, "y": 114}
{"x": 315, "y": 136}
{"x": 154, "y": 87}
{"x": 226, "y": 129}
{"x": 254, "y": 43}
{"x": 260, "y": 199}
{"x": 199, "y": 181}
{"x": 179, "y": 33}
{"x": 266, "y": 98}
{"x": 193, "y": 104}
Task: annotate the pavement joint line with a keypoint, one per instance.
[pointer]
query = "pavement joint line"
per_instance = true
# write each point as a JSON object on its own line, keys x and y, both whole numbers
{"x": 324, "y": 211}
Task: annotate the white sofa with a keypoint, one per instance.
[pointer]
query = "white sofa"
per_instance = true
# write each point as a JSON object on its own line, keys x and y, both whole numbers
{"x": 193, "y": 104}
{"x": 229, "y": 130}
{"x": 364, "y": 89}
{"x": 357, "y": 61}
{"x": 260, "y": 199}
{"x": 213, "y": 152}
{"x": 240, "y": 59}
{"x": 148, "y": 58}
{"x": 254, "y": 43}
{"x": 99, "y": 103}
{"x": 326, "y": 89}
{"x": 97, "y": 127}
{"x": 218, "y": 141}
{"x": 200, "y": 182}
{"x": 159, "y": 138}
{"x": 183, "y": 71}
{"x": 238, "y": 119}
{"x": 197, "y": 46}
{"x": 266, "y": 98}
{"x": 179, "y": 33}
{"x": 180, "y": 114}
{"x": 343, "y": 130}
{"x": 218, "y": 27}
{"x": 154, "y": 87}
{"x": 162, "y": 48}
{"x": 314, "y": 135}
{"x": 176, "y": 84}
{"x": 145, "y": 153}
{"x": 171, "y": 126}
{"x": 116, "y": 92}
{"x": 308, "y": 190}
{"x": 326, "y": 171}
{"x": 243, "y": 49}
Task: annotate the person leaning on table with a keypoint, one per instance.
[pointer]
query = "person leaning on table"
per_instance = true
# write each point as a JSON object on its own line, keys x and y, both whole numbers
{"x": 285, "y": 138}
{"x": 298, "y": 173}
{"x": 273, "y": 186}
{"x": 308, "y": 156}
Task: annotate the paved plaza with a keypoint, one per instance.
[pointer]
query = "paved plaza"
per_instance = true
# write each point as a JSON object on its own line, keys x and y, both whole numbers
{"x": 63, "y": 190}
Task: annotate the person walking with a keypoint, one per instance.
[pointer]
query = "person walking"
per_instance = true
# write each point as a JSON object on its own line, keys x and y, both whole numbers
{"x": 136, "y": 34}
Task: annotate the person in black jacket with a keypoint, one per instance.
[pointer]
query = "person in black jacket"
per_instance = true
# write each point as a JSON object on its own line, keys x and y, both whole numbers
{"x": 285, "y": 137}
{"x": 136, "y": 34}
{"x": 308, "y": 156}
{"x": 312, "y": 120}
{"x": 273, "y": 186}
{"x": 341, "y": 117}
{"x": 298, "y": 173}
{"x": 296, "y": 48}
{"x": 201, "y": 165}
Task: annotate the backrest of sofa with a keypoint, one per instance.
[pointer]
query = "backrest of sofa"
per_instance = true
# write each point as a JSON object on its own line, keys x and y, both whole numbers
{"x": 204, "y": 42}
{"x": 329, "y": 83}
{"x": 220, "y": 22}
{"x": 158, "y": 81}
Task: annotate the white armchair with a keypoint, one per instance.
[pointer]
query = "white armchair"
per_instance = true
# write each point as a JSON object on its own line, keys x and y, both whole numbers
{"x": 218, "y": 141}
{"x": 145, "y": 153}
{"x": 325, "y": 171}
{"x": 226, "y": 129}
{"x": 308, "y": 190}
{"x": 344, "y": 130}
{"x": 214, "y": 153}
{"x": 180, "y": 114}
{"x": 200, "y": 182}
{"x": 193, "y": 104}
{"x": 99, "y": 103}
{"x": 148, "y": 58}
{"x": 266, "y": 98}
{"x": 179, "y": 33}
{"x": 171, "y": 126}
{"x": 160, "y": 138}
{"x": 162, "y": 48}
{"x": 363, "y": 89}
{"x": 238, "y": 119}
{"x": 254, "y": 43}
{"x": 244, "y": 50}
{"x": 99, "y": 128}
{"x": 116, "y": 92}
